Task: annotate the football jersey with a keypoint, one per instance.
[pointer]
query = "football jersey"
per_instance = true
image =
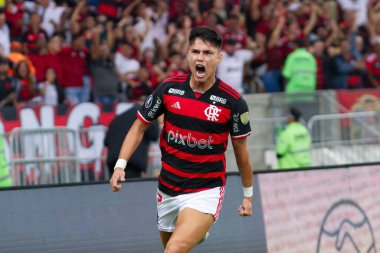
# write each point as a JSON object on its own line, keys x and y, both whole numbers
{"x": 195, "y": 133}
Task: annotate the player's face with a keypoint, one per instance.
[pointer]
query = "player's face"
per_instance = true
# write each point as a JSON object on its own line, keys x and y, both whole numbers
{"x": 203, "y": 59}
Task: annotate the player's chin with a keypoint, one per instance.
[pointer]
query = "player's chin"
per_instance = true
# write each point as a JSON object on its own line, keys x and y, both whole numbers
{"x": 200, "y": 79}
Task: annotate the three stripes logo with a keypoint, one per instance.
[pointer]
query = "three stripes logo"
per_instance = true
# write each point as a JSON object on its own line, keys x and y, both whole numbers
{"x": 176, "y": 105}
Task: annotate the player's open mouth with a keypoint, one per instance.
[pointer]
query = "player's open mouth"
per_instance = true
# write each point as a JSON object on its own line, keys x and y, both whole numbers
{"x": 200, "y": 70}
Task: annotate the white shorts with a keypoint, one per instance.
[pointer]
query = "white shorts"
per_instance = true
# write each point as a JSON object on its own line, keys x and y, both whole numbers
{"x": 168, "y": 207}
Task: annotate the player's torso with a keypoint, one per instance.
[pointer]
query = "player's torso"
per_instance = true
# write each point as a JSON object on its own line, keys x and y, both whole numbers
{"x": 196, "y": 123}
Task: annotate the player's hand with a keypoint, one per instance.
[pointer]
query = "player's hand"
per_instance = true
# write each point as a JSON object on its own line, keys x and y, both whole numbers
{"x": 245, "y": 208}
{"x": 117, "y": 176}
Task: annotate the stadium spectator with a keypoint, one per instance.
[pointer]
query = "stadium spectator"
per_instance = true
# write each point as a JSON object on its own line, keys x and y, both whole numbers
{"x": 300, "y": 70}
{"x": 32, "y": 34}
{"x": 359, "y": 8}
{"x": 5, "y": 39}
{"x": 16, "y": 55}
{"x": 233, "y": 31}
{"x": 51, "y": 59}
{"x": 74, "y": 64}
{"x": 318, "y": 49}
{"x": 348, "y": 71}
{"x": 48, "y": 90}
{"x": 116, "y": 132}
{"x": 373, "y": 66}
{"x": 52, "y": 15}
{"x": 7, "y": 86}
{"x": 293, "y": 144}
{"x": 231, "y": 69}
{"x": 126, "y": 66}
{"x": 274, "y": 58}
{"x": 139, "y": 87}
{"x": 156, "y": 73}
{"x": 142, "y": 23}
{"x": 162, "y": 28}
{"x": 159, "y": 16}
{"x": 103, "y": 72}
{"x": 14, "y": 13}
{"x": 25, "y": 84}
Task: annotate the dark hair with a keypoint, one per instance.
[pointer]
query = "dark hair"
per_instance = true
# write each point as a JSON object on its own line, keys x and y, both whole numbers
{"x": 77, "y": 36}
{"x": 206, "y": 34}
{"x": 295, "y": 113}
{"x": 300, "y": 42}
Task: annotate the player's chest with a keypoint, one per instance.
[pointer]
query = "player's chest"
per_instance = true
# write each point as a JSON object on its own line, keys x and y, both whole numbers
{"x": 208, "y": 107}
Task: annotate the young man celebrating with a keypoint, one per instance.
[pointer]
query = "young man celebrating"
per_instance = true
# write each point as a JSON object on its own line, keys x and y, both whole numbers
{"x": 200, "y": 111}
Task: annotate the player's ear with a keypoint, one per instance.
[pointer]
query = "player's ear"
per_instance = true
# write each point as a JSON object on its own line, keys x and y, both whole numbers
{"x": 220, "y": 57}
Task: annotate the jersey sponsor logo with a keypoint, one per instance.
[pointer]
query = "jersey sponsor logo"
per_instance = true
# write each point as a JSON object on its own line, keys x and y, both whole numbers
{"x": 149, "y": 101}
{"x": 176, "y": 105}
{"x": 176, "y": 91}
{"x": 212, "y": 113}
{"x": 155, "y": 108}
{"x": 235, "y": 124}
{"x": 189, "y": 141}
{"x": 244, "y": 118}
{"x": 218, "y": 99}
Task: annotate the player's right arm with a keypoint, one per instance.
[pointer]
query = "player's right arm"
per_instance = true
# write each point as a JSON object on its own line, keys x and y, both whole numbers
{"x": 147, "y": 114}
{"x": 131, "y": 142}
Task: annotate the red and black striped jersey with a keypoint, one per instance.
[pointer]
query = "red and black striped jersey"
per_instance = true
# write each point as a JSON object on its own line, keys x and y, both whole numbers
{"x": 194, "y": 137}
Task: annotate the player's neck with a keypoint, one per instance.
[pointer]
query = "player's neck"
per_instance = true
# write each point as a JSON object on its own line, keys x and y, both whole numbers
{"x": 202, "y": 87}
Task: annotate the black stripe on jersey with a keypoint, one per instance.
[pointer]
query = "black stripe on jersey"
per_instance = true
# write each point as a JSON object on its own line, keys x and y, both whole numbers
{"x": 176, "y": 79}
{"x": 181, "y": 144}
{"x": 196, "y": 124}
{"x": 187, "y": 166}
{"x": 227, "y": 88}
{"x": 190, "y": 183}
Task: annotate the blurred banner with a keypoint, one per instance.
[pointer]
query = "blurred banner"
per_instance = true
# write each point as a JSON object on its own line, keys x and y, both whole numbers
{"x": 359, "y": 100}
{"x": 93, "y": 219}
{"x": 333, "y": 210}
{"x": 71, "y": 116}
{"x": 329, "y": 210}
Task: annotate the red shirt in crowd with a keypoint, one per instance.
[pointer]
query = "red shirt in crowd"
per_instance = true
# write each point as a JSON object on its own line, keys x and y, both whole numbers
{"x": 74, "y": 65}
{"x": 25, "y": 94}
{"x": 53, "y": 61}
{"x": 153, "y": 75}
{"x": 39, "y": 63}
{"x": 373, "y": 66}
{"x": 31, "y": 37}
{"x": 320, "y": 74}
{"x": 14, "y": 16}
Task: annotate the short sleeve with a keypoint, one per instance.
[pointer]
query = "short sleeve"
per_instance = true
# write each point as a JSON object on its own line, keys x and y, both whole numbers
{"x": 153, "y": 106}
{"x": 241, "y": 127}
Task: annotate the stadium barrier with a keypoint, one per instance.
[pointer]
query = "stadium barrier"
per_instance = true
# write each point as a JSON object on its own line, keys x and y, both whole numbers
{"x": 311, "y": 210}
{"x": 344, "y": 138}
{"x": 64, "y": 155}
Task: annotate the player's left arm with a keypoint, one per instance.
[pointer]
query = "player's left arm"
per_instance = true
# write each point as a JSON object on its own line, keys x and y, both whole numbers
{"x": 246, "y": 173}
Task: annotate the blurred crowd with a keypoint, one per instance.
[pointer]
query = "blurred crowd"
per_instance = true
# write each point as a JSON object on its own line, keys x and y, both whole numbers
{"x": 69, "y": 51}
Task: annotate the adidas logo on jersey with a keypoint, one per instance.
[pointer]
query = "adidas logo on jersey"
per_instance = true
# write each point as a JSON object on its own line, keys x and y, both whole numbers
{"x": 176, "y": 105}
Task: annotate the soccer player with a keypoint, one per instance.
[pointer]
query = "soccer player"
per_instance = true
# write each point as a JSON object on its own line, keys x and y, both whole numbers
{"x": 200, "y": 112}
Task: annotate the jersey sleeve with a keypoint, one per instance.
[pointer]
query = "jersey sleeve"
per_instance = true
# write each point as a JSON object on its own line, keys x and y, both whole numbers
{"x": 241, "y": 127}
{"x": 153, "y": 106}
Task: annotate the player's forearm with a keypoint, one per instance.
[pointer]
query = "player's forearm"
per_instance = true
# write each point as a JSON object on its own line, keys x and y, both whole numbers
{"x": 246, "y": 174}
{"x": 243, "y": 162}
{"x": 132, "y": 140}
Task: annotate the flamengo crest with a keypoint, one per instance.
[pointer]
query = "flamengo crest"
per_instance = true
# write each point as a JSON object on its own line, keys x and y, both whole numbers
{"x": 212, "y": 112}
